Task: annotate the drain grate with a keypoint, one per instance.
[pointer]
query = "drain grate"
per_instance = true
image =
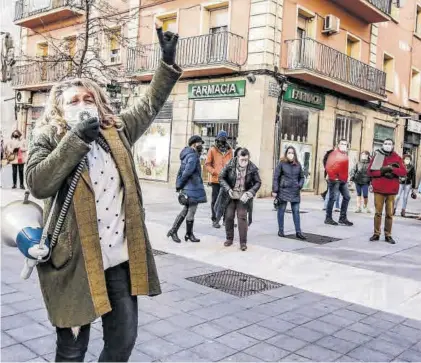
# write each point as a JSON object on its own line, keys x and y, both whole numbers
{"x": 234, "y": 283}
{"x": 317, "y": 239}
{"x": 159, "y": 253}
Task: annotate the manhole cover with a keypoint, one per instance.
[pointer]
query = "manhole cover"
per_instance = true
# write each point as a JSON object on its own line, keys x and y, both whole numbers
{"x": 234, "y": 283}
{"x": 317, "y": 239}
{"x": 159, "y": 253}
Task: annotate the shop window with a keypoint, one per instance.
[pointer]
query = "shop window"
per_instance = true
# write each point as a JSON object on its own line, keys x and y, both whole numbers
{"x": 294, "y": 124}
{"x": 418, "y": 20}
{"x": 414, "y": 93}
{"x": 114, "y": 46}
{"x": 389, "y": 69}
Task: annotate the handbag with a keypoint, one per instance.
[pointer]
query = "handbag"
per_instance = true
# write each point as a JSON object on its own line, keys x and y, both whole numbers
{"x": 413, "y": 195}
{"x": 183, "y": 198}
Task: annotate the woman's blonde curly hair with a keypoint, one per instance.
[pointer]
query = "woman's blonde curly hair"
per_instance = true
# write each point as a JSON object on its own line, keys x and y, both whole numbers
{"x": 53, "y": 114}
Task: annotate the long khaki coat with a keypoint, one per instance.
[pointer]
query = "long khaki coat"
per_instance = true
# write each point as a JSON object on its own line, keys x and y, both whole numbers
{"x": 73, "y": 281}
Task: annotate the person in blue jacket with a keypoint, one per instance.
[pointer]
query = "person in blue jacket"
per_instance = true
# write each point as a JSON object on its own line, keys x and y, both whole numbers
{"x": 190, "y": 186}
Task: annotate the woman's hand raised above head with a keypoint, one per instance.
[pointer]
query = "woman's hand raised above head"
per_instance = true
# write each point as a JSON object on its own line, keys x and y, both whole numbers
{"x": 168, "y": 43}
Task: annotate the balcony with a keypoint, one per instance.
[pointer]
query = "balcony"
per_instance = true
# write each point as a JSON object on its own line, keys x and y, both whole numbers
{"x": 326, "y": 67}
{"x": 27, "y": 16}
{"x": 371, "y": 11}
{"x": 209, "y": 54}
{"x": 40, "y": 75}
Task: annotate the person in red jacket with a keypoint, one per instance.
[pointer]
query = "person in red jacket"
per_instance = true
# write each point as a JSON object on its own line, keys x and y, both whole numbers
{"x": 385, "y": 169}
{"x": 337, "y": 166}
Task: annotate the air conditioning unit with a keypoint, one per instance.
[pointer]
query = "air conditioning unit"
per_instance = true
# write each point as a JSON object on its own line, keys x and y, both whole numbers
{"x": 23, "y": 97}
{"x": 331, "y": 24}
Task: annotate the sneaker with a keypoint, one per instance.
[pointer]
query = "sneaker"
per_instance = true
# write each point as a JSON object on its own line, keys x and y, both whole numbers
{"x": 331, "y": 222}
{"x": 345, "y": 222}
{"x": 228, "y": 243}
{"x": 337, "y": 210}
{"x": 390, "y": 240}
{"x": 216, "y": 225}
{"x": 358, "y": 210}
{"x": 374, "y": 237}
{"x": 366, "y": 210}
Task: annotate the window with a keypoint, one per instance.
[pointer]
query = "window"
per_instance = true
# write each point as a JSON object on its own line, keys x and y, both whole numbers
{"x": 306, "y": 24}
{"x": 389, "y": 69}
{"x": 218, "y": 26}
{"x": 395, "y": 11}
{"x": 71, "y": 49}
{"x": 353, "y": 47}
{"x": 114, "y": 46}
{"x": 169, "y": 24}
{"x": 418, "y": 21}
{"x": 42, "y": 52}
{"x": 414, "y": 93}
{"x": 380, "y": 133}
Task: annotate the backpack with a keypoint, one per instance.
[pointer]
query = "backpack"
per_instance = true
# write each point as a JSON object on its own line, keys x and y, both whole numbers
{"x": 325, "y": 159}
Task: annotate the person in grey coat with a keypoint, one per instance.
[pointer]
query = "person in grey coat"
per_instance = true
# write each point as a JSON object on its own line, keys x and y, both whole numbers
{"x": 288, "y": 180}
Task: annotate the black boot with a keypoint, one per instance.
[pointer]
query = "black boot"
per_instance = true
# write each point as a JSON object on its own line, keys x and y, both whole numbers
{"x": 189, "y": 232}
{"x": 173, "y": 231}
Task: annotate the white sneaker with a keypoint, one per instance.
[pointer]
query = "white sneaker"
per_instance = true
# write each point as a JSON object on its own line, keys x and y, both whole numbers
{"x": 366, "y": 210}
{"x": 358, "y": 210}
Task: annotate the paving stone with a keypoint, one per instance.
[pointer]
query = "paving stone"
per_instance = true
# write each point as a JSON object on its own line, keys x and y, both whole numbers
{"x": 237, "y": 340}
{"x": 161, "y": 311}
{"x": 215, "y": 311}
{"x": 231, "y": 322}
{"x": 400, "y": 340}
{"x": 7, "y": 310}
{"x": 325, "y": 306}
{"x": 16, "y": 353}
{"x": 37, "y": 359}
{"x": 346, "y": 358}
{"x": 311, "y": 312}
{"x": 385, "y": 347}
{"x": 277, "y": 325}
{"x": 283, "y": 291}
{"x": 29, "y": 305}
{"x": 295, "y": 358}
{"x": 258, "y": 332}
{"x": 365, "y": 329}
{"x": 337, "y": 344}
{"x": 352, "y": 336}
{"x": 318, "y": 354}
{"x": 336, "y": 320}
{"x": 416, "y": 324}
{"x": 15, "y": 321}
{"x": 213, "y": 350}
{"x": 51, "y": 357}
{"x": 6, "y": 289}
{"x": 250, "y": 316}
{"x": 161, "y": 328}
{"x": 336, "y": 302}
{"x": 184, "y": 356}
{"x": 186, "y": 320}
{"x": 241, "y": 357}
{"x": 389, "y": 317}
{"x": 378, "y": 323}
{"x": 322, "y": 327}
{"x": 95, "y": 347}
{"x": 368, "y": 355}
{"x": 305, "y": 334}
{"x": 143, "y": 335}
{"x": 138, "y": 356}
{"x": 28, "y": 332}
{"x": 266, "y": 310}
{"x": 39, "y": 315}
{"x": 145, "y": 318}
{"x": 14, "y": 298}
{"x": 410, "y": 333}
{"x": 417, "y": 347}
{"x": 349, "y": 314}
{"x": 185, "y": 339}
{"x": 362, "y": 309}
{"x": 7, "y": 340}
{"x": 286, "y": 342}
{"x": 294, "y": 317}
{"x": 43, "y": 345}
{"x": 267, "y": 352}
{"x": 158, "y": 348}
{"x": 210, "y": 330}
{"x": 411, "y": 356}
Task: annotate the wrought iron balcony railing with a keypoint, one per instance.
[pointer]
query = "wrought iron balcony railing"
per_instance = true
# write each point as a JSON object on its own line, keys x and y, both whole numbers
{"x": 383, "y": 5}
{"x": 39, "y": 73}
{"x": 222, "y": 48}
{"x": 25, "y": 8}
{"x": 308, "y": 54}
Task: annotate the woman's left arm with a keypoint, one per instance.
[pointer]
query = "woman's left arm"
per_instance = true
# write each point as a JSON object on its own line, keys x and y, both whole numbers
{"x": 302, "y": 179}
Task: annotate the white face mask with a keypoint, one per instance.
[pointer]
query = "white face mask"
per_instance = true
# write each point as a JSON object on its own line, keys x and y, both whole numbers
{"x": 75, "y": 114}
{"x": 343, "y": 148}
{"x": 388, "y": 148}
{"x": 407, "y": 161}
{"x": 363, "y": 157}
{"x": 290, "y": 157}
{"x": 243, "y": 163}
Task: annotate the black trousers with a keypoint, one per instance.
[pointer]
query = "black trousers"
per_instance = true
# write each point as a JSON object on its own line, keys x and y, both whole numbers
{"x": 215, "y": 192}
{"x": 119, "y": 325}
{"x": 15, "y": 168}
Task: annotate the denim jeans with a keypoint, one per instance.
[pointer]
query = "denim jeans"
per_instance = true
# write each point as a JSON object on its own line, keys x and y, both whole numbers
{"x": 119, "y": 325}
{"x": 335, "y": 188}
{"x": 295, "y": 216}
{"x": 337, "y": 201}
{"x": 404, "y": 192}
{"x": 362, "y": 189}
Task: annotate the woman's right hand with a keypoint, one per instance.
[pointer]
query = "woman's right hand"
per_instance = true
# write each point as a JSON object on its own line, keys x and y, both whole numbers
{"x": 87, "y": 130}
{"x": 274, "y": 195}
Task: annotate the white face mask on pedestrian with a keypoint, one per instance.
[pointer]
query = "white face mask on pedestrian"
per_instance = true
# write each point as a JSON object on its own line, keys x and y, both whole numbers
{"x": 73, "y": 114}
{"x": 387, "y": 146}
{"x": 407, "y": 161}
{"x": 243, "y": 161}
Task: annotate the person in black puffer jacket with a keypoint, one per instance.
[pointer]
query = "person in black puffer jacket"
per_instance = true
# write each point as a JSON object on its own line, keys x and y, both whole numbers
{"x": 359, "y": 175}
{"x": 190, "y": 184}
{"x": 406, "y": 184}
{"x": 288, "y": 180}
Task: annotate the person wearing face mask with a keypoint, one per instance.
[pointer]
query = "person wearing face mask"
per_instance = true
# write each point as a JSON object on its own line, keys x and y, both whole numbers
{"x": 359, "y": 175}
{"x": 337, "y": 166}
{"x": 16, "y": 154}
{"x": 385, "y": 169}
{"x": 218, "y": 156}
{"x": 288, "y": 180}
{"x": 240, "y": 182}
{"x": 406, "y": 185}
{"x": 103, "y": 258}
{"x": 190, "y": 183}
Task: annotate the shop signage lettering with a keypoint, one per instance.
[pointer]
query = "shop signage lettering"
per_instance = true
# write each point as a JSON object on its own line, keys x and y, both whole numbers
{"x": 220, "y": 89}
{"x": 414, "y": 126}
{"x": 305, "y": 97}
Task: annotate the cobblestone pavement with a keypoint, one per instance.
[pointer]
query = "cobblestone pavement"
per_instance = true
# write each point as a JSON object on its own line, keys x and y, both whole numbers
{"x": 348, "y": 300}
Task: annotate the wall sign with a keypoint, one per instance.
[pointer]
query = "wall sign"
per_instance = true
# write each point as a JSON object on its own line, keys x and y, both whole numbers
{"x": 219, "y": 89}
{"x": 305, "y": 97}
{"x": 414, "y": 126}
{"x": 274, "y": 89}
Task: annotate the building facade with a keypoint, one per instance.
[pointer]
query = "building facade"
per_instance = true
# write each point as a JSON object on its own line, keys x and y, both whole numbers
{"x": 271, "y": 73}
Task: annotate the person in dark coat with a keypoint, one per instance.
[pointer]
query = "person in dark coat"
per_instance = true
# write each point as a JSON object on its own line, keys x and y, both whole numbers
{"x": 406, "y": 185}
{"x": 288, "y": 180}
{"x": 359, "y": 175}
{"x": 240, "y": 182}
{"x": 190, "y": 184}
